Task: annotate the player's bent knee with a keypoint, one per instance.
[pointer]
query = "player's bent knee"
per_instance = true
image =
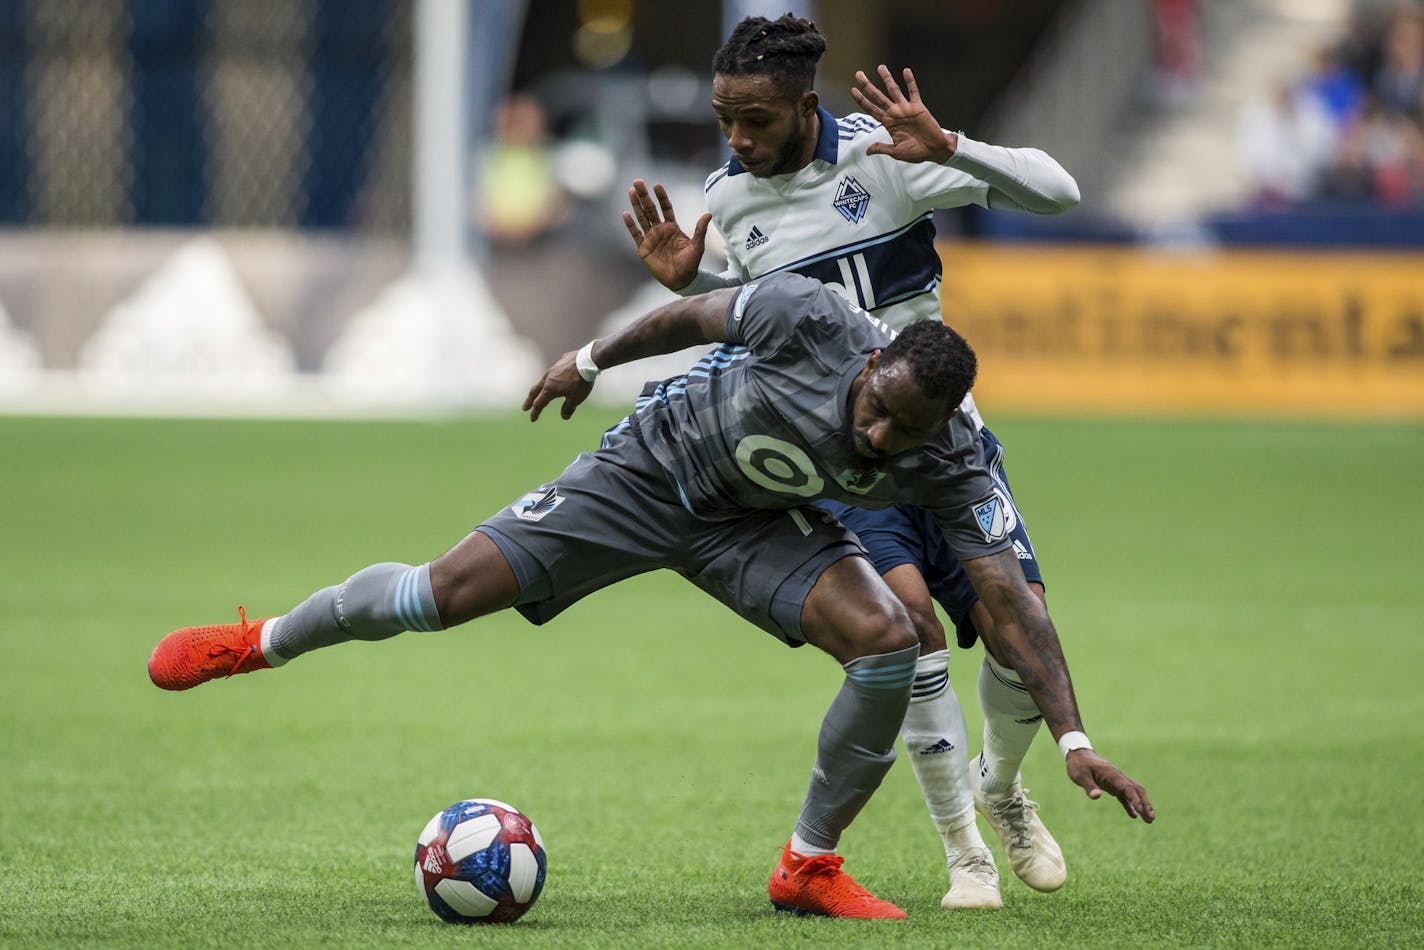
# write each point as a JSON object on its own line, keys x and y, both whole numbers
{"x": 851, "y": 613}
{"x": 472, "y": 579}
{"x": 928, "y": 630}
{"x": 884, "y": 631}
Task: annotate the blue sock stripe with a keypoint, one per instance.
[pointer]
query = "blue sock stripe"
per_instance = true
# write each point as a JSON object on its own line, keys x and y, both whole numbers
{"x": 407, "y": 602}
{"x": 398, "y": 603}
{"x": 416, "y": 604}
{"x": 416, "y": 608}
{"x": 885, "y": 677}
{"x": 929, "y": 684}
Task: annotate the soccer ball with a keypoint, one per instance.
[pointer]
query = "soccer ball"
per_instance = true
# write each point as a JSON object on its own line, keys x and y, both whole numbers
{"x": 480, "y": 861}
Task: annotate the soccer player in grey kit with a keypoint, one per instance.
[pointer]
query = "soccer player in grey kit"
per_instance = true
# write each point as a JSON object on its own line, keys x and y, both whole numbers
{"x": 711, "y": 476}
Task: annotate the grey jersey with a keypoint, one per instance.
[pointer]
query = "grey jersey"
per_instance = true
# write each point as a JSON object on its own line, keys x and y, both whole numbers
{"x": 763, "y": 422}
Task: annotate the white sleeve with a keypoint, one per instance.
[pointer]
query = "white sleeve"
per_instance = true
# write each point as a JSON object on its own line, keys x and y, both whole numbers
{"x": 706, "y": 281}
{"x": 1022, "y": 179}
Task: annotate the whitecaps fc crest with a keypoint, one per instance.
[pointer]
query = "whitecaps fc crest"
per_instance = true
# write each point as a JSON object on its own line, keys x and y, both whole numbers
{"x": 996, "y": 516}
{"x": 851, "y": 200}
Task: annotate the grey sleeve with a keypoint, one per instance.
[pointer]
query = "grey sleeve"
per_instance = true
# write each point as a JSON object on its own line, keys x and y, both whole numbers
{"x": 765, "y": 314}
{"x": 973, "y": 514}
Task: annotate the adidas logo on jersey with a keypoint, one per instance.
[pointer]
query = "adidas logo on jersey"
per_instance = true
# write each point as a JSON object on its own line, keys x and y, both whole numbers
{"x": 755, "y": 238}
{"x": 1022, "y": 551}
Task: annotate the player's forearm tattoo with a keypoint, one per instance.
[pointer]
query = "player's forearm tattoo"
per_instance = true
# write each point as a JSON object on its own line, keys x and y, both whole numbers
{"x": 669, "y": 328}
{"x": 1025, "y": 639}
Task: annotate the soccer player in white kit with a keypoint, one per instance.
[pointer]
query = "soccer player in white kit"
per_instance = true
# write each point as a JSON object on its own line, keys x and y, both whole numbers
{"x": 849, "y": 201}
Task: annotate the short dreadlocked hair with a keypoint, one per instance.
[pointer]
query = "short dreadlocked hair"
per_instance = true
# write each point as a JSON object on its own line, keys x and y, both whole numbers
{"x": 787, "y": 49}
{"x": 940, "y": 361}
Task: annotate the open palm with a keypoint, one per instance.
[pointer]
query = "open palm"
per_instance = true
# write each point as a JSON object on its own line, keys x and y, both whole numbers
{"x": 915, "y": 135}
{"x": 669, "y": 255}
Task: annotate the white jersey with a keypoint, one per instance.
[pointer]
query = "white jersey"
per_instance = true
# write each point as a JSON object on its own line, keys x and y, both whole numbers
{"x": 863, "y": 224}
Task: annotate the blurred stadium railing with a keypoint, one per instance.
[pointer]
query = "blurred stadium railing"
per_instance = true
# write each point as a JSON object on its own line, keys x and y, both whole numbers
{"x": 212, "y": 206}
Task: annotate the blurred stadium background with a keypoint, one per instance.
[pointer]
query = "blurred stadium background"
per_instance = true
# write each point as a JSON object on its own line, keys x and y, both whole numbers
{"x": 382, "y": 206}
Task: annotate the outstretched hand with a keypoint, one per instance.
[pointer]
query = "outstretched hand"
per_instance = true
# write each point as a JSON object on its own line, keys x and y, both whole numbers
{"x": 1096, "y": 774}
{"x": 915, "y": 135}
{"x": 668, "y": 254}
{"x": 560, "y": 381}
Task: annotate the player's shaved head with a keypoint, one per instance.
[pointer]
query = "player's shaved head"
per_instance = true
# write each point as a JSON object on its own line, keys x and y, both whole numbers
{"x": 786, "y": 49}
{"x": 939, "y": 360}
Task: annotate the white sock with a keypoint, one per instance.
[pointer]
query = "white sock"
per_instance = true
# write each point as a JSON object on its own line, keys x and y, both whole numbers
{"x": 935, "y": 740}
{"x": 1011, "y": 721}
{"x": 273, "y": 658}
{"x": 801, "y": 846}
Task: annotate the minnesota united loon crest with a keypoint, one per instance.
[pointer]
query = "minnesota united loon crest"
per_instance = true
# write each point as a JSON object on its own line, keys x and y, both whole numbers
{"x": 536, "y": 504}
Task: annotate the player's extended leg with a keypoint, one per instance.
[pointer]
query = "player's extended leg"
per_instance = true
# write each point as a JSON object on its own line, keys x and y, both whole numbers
{"x": 936, "y": 741}
{"x": 375, "y": 603}
{"x": 1011, "y": 720}
{"x": 854, "y": 617}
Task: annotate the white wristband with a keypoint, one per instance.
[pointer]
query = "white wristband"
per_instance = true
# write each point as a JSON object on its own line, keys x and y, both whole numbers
{"x": 587, "y": 368}
{"x": 1073, "y": 740}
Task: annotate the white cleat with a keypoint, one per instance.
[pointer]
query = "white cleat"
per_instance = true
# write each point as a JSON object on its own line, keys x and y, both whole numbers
{"x": 1033, "y": 854}
{"x": 973, "y": 882}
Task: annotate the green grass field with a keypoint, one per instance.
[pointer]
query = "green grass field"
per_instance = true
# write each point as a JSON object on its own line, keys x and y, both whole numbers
{"x": 1241, "y": 604}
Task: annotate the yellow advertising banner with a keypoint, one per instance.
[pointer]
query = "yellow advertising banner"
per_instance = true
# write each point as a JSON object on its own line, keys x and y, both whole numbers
{"x": 1325, "y": 334}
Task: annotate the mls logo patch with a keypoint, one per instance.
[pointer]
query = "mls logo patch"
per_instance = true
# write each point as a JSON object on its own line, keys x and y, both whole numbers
{"x": 851, "y": 200}
{"x": 996, "y": 516}
{"x": 741, "y": 305}
{"x": 535, "y": 505}
{"x": 990, "y": 515}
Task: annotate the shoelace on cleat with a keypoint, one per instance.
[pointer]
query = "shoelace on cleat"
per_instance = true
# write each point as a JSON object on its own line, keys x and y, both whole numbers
{"x": 1015, "y": 812}
{"x": 243, "y": 655}
{"x": 980, "y": 868}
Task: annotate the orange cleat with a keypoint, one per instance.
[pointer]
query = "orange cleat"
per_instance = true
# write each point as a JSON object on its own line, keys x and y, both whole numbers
{"x": 815, "y": 886}
{"x": 193, "y": 655}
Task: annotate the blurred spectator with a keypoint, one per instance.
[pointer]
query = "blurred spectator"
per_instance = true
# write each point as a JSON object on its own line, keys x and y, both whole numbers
{"x": 1350, "y": 176}
{"x": 1398, "y": 85}
{"x": 1286, "y": 141}
{"x": 1335, "y": 86}
{"x": 520, "y": 198}
{"x": 1352, "y": 128}
{"x": 1394, "y": 150}
{"x": 1179, "y": 52}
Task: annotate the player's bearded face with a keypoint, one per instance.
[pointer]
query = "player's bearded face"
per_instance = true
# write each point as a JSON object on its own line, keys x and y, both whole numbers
{"x": 788, "y": 157}
{"x": 766, "y": 130}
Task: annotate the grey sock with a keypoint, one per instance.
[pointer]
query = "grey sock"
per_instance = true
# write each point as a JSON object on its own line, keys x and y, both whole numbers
{"x": 376, "y": 602}
{"x": 856, "y": 746}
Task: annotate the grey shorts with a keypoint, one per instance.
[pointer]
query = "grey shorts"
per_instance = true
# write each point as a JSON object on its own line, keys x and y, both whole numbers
{"x": 613, "y": 514}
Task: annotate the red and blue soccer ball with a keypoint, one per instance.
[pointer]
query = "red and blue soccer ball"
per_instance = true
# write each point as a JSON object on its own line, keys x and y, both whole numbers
{"x": 480, "y": 861}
